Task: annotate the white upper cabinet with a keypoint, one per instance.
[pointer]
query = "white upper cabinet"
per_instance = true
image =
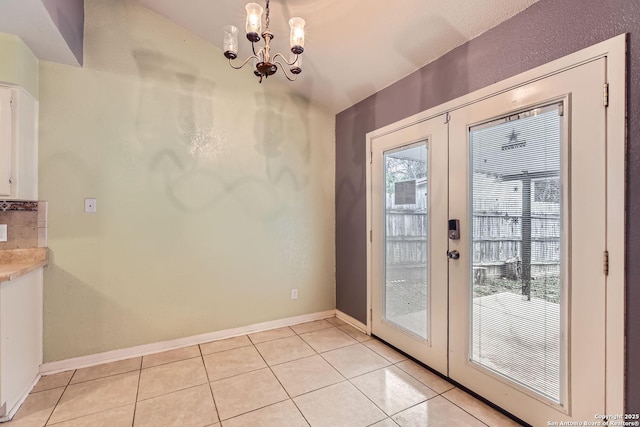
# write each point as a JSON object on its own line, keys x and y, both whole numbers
{"x": 18, "y": 145}
{"x": 5, "y": 142}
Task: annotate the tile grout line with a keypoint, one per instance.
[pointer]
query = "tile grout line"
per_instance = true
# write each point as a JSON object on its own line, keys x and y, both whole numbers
{"x": 307, "y": 357}
{"x": 75, "y": 371}
{"x": 458, "y": 406}
{"x": 106, "y": 376}
{"x": 270, "y": 368}
{"x": 60, "y": 398}
{"x": 378, "y": 369}
{"x": 171, "y": 392}
{"x": 221, "y": 351}
{"x": 438, "y": 394}
{"x": 324, "y": 329}
{"x": 135, "y": 403}
{"x": 96, "y": 412}
{"x": 388, "y": 418}
{"x": 368, "y": 398}
{"x": 74, "y": 418}
{"x": 86, "y": 415}
{"x": 173, "y": 361}
{"x": 215, "y": 405}
{"x": 348, "y": 380}
{"x": 282, "y": 385}
{"x": 313, "y": 330}
{"x": 359, "y": 375}
{"x": 426, "y": 400}
{"x": 273, "y": 339}
{"x": 416, "y": 378}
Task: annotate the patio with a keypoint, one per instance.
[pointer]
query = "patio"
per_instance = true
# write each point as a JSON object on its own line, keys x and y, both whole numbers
{"x": 513, "y": 337}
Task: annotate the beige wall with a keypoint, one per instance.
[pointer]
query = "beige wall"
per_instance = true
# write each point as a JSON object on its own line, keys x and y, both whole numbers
{"x": 18, "y": 66}
{"x": 215, "y": 194}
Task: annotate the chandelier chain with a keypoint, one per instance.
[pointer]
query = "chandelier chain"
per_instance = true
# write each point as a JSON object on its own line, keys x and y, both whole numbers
{"x": 267, "y": 15}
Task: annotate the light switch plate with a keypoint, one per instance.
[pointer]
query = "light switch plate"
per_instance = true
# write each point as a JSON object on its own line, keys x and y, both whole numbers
{"x": 90, "y": 206}
{"x": 3, "y": 232}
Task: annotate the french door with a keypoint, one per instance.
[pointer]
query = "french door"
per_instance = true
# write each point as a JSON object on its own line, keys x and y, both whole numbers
{"x": 410, "y": 192}
{"x": 488, "y": 232}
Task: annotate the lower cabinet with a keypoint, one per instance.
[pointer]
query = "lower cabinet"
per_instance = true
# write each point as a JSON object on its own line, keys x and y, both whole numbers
{"x": 20, "y": 339}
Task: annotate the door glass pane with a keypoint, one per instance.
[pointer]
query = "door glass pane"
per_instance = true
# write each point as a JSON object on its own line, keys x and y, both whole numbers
{"x": 405, "y": 240}
{"x": 517, "y": 191}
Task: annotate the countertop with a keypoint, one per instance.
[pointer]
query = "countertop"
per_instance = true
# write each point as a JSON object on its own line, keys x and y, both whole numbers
{"x": 18, "y": 262}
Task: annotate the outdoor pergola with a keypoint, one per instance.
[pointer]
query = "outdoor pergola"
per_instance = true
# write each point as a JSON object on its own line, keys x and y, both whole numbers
{"x": 526, "y": 178}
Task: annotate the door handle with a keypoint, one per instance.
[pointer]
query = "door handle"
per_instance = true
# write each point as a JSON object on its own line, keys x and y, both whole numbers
{"x": 453, "y": 254}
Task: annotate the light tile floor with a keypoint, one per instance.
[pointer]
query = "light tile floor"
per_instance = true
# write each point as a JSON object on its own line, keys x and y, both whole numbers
{"x": 322, "y": 373}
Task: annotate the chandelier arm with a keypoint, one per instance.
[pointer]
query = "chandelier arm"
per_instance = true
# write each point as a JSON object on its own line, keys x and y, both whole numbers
{"x": 284, "y": 71}
{"x": 244, "y": 63}
{"x": 285, "y": 59}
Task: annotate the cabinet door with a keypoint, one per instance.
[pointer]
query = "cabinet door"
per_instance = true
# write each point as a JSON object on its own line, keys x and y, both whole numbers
{"x": 24, "y": 169}
{"x": 20, "y": 338}
{"x": 5, "y": 142}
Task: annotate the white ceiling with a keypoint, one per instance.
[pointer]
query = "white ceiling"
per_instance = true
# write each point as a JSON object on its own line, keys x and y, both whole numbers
{"x": 353, "y": 48}
{"x": 30, "y": 20}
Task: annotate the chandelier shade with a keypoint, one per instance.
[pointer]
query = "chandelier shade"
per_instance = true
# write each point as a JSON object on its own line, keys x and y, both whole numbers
{"x": 297, "y": 35}
{"x": 254, "y": 22}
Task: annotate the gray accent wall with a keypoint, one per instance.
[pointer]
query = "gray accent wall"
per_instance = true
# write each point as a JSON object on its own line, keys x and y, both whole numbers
{"x": 68, "y": 16}
{"x": 548, "y": 30}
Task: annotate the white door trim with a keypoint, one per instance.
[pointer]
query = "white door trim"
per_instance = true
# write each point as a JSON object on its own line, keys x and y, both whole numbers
{"x": 615, "y": 51}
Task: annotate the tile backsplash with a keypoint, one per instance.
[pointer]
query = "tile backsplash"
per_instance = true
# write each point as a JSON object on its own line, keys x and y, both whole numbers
{"x": 26, "y": 224}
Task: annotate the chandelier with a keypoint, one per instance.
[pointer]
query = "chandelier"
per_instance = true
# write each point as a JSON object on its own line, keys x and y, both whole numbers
{"x": 265, "y": 65}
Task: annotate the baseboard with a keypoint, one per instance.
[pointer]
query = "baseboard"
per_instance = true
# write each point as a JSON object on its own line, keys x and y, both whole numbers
{"x": 350, "y": 320}
{"x": 25, "y": 394}
{"x": 146, "y": 349}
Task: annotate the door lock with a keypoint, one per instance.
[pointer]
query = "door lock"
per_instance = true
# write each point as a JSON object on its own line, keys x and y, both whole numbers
{"x": 453, "y": 254}
{"x": 454, "y": 229}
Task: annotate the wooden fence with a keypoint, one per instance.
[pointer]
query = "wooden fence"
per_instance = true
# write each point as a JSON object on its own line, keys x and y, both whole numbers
{"x": 497, "y": 243}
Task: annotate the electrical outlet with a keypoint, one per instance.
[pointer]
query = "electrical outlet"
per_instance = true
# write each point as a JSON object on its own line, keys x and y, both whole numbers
{"x": 3, "y": 232}
{"x": 90, "y": 206}
{"x": 294, "y": 294}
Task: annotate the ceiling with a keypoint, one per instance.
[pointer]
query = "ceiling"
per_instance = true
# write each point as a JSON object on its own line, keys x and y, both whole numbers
{"x": 353, "y": 48}
{"x": 51, "y": 28}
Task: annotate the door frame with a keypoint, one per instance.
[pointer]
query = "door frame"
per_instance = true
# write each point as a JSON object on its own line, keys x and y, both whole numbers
{"x": 614, "y": 50}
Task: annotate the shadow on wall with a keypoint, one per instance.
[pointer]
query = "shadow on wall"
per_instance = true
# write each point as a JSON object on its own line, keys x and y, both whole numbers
{"x": 351, "y": 189}
{"x": 100, "y": 320}
{"x": 193, "y": 143}
{"x": 428, "y": 86}
{"x": 283, "y": 139}
{"x": 444, "y": 82}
